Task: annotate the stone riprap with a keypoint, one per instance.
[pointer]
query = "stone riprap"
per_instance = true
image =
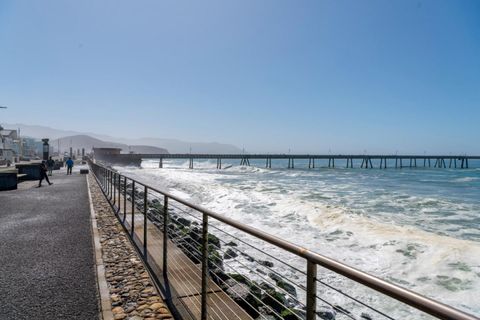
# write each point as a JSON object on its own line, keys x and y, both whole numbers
{"x": 132, "y": 293}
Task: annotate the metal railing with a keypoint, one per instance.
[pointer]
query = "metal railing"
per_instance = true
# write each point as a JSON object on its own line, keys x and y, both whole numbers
{"x": 225, "y": 250}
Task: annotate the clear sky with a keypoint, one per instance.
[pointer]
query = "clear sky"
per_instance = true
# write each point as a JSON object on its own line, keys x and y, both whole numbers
{"x": 270, "y": 75}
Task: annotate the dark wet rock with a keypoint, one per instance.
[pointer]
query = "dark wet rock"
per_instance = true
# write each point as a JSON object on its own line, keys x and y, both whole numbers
{"x": 227, "y": 283}
{"x": 326, "y": 313}
{"x": 261, "y": 271}
{"x": 300, "y": 312}
{"x": 184, "y": 222}
{"x": 196, "y": 257}
{"x": 290, "y": 314}
{"x": 196, "y": 234}
{"x": 230, "y": 254}
{"x": 186, "y": 244}
{"x": 183, "y": 231}
{"x": 240, "y": 293}
{"x": 290, "y": 302}
{"x": 275, "y": 277}
{"x": 154, "y": 211}
{"x": 283, "y": 284}
{"x": 255, "y": 289}
{"x": 266, "y": 263}
{"x": 265, "y": 286}
{"x": 287, "y": 287}
{"x": 240, "y": 278}
{"x": 212, "y": 239}
{"x": 172, "y": 230}
{"x": 214, "y": 259}
{"x": 366, "y": 316}
{"x": 275, "y": 300}
{"x": 249, "y": 258}
{"x": 218, "y": 276}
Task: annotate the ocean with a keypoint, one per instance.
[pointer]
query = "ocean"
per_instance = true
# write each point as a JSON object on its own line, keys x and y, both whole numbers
{"x": 416, "y": 227}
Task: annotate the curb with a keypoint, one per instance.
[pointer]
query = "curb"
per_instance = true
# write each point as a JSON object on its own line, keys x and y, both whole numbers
{"x": 106, "y": 313}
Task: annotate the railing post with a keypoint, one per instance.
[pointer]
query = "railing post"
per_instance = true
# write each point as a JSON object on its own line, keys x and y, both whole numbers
{"x": 119, "y": 194}
{"x": 110, "y": 185}
{"x": 204, "y": 265}
{"x": 124, "y": 198}
{"x": 165, "y": 235}
{"x": 114, "y": 194}
{"x": 145, "y": 208}
{"x": 311, "y": 290}
{"x": 133, "y": 207}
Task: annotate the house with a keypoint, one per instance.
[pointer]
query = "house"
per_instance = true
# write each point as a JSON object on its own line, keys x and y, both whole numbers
{"x": 9, "y": 145}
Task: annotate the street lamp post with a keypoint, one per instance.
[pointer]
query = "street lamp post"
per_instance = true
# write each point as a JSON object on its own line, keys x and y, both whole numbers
{"x": 46, "y": 149}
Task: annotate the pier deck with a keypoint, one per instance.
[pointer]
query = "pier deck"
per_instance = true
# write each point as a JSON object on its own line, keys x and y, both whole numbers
{"x": 46, "y": 261}
{"x": 183, "y": 277}
{"x": 349, "y": 161}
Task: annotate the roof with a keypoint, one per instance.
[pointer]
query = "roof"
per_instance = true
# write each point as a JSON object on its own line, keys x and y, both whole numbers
{"x": 7, "y": 132}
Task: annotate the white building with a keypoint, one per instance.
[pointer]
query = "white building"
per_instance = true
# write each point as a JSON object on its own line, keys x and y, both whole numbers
{"x": 10, "y": 146}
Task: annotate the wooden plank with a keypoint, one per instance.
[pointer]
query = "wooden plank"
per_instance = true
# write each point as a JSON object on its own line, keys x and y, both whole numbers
{"x": 220, "y": 307}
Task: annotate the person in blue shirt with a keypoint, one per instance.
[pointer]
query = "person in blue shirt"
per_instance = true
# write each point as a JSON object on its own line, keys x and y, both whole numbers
{"x": 69, "y": 164}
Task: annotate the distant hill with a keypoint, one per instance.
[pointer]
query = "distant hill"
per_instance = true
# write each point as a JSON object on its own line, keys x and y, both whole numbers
{"x": 177, "y": 146}
{"x": 147, "y": 149}
{"x": 87, "y": 142}
{"x": 172, "y": 145}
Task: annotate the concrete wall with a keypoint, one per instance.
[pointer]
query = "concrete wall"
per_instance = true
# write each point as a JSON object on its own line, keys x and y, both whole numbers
{"x": 8, "y": 180}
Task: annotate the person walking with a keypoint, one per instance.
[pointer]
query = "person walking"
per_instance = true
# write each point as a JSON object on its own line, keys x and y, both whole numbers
{"x": 50, "y": 165}
{"x": 43, "y": 174}
{"x": 69, "y": 166}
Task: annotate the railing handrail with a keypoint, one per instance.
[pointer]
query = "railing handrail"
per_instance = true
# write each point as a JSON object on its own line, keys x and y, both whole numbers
{"x": 420, "y": 302}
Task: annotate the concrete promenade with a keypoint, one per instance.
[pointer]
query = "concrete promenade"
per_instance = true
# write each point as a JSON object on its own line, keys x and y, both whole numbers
{"x": 47, "y": 266}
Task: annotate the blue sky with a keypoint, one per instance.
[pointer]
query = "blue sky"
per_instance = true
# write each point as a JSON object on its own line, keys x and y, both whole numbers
{"x": 310, "y": 76}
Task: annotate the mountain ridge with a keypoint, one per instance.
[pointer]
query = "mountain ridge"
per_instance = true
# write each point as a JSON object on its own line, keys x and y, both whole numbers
{"x": 172, "y": 145}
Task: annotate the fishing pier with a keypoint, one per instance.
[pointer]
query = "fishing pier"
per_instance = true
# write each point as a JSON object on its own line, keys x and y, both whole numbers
{"x": 330, "y": 161}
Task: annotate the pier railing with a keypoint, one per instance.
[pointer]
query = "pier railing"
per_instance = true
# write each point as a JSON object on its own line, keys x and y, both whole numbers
{"x": 268, "y": 277}
{"x": 367, "y": 161}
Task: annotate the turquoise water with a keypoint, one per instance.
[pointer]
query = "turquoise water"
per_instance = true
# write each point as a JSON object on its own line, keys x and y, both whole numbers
{"x": 417, "y": 227}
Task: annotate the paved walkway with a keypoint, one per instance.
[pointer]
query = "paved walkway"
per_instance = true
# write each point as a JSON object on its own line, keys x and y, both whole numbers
{"x": 46, "y": 253}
